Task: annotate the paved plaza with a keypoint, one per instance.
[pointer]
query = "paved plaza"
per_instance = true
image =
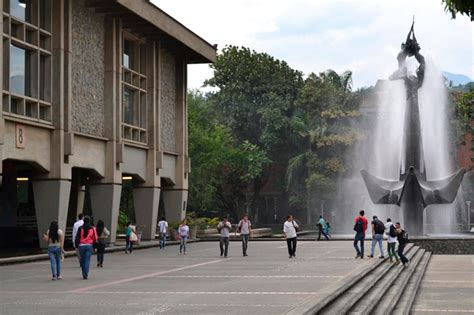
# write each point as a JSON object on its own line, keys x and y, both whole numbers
{"x": 153, "y": 281}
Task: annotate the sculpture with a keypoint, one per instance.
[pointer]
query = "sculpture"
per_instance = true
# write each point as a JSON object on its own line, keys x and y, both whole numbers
{"x": 413, "y": 193}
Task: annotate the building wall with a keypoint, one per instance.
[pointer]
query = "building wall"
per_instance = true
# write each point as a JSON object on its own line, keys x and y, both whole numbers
{"x": 87, "y": 70}
{"x": 168, "y": 101}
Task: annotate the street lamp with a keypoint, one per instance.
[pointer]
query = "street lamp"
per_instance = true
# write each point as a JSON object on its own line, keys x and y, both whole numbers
{"x": 468, "y": 204}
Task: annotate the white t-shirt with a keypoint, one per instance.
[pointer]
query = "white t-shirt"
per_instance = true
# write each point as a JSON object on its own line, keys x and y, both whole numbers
{"x": 245, "y": 226}
{"x": 163, "y": 226}
{"x": 76, "y": 227}
{"x": 183, "y": 230}
{"x": 289, "y": 229}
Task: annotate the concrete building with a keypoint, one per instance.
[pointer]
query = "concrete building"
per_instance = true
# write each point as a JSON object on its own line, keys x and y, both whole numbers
{"x": 94, "y": 92}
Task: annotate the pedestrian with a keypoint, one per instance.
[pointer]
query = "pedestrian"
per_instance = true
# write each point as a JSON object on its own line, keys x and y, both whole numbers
{"x": 327, "y": 229}
{"x": 183, "y": 235}
{"x": 378, "y": 228}
{"x": 163, "y": 226}
{"x": 55, "y": 239}
{"x": 402, "y": 237}
{"x": 390, "y": 230}
{"x": 85, "y": 239}
{"x": 103, "y": 234}
{"x": 224, "y": 230}
{"x": 290, "y": 229}
{"x": 129, "y": 238}
{"x": 75, "y": 227}
{"x": 360, "y": 227}
{"x": 245, "y": 230}
{"x": 322, "y": 228}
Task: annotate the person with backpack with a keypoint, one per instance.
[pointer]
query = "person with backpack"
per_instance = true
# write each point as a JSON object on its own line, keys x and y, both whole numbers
{"x": 130, "y": 237}
{"x": 224, "y": 230}
{"x": 103, "y": 234}
{"x": 163, "y": 226}
{"x": 390, "y": 230}
{"x": 402, "y": 237}
{"x": 360, "y": 226}
{"x": 245, "y": 230}
{"x": 55, "y": 239}
{"x": 321, "y": 228}
{"x": 290, "y": 228}
{"x": 378, "y": 228}
{"x": 86, "y": 238}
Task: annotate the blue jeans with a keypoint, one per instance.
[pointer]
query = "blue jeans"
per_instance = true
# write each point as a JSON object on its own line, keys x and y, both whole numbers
{"x": 162, "y": 240}
{"x": 182, "y": 244}
{"x": 86, "y": 253}
{"x": 359, "y": 237}
{"x": 54, "y": 253}
{"x": 377, "y": 238}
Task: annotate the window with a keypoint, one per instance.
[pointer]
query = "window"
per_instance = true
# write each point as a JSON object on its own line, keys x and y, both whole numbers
{"x": 27, "y": 58}
{"x": 134, "y": 107}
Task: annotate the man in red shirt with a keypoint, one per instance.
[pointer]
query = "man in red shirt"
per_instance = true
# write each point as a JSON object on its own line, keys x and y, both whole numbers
{"x": 360, "y": 226}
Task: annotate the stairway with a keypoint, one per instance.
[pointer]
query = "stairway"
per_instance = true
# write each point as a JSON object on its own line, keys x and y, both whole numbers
{"x": 383, "y": 289}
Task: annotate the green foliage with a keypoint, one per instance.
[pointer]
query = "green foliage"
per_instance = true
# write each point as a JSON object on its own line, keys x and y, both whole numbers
{"x": 122, "y": 221}
{"x": 459, "y": 6}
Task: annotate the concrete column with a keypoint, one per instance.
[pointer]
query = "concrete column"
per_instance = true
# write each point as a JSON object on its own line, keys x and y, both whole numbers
{"x": 146, "y": 201}
{"x": 51, "y": 203}
{"x": 105, "y": 200}
{"x": 175, "y": 204}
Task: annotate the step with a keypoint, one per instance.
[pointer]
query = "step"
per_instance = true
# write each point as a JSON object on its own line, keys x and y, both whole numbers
{"x": 392, "y": 295}
{"x": 341, "y": 302}
{"x": 372, "y": 299}
{"x": 409, "y": 293}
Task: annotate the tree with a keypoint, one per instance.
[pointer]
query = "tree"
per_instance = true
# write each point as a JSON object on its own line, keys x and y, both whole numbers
{"x": 321, "y": 123}
{"x": 255, "y": 99}
{"x": 459, "y": 6}
{"x": 221, "y": 168}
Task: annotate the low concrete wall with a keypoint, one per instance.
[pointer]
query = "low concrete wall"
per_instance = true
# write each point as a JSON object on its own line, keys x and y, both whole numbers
{"x": 446, "y": 246}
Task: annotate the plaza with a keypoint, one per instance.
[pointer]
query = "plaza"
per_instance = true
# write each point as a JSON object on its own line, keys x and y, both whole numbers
{"x": 154, "y": 281}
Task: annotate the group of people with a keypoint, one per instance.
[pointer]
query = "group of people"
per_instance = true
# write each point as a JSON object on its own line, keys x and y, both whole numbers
{"x": 86, "y": 239}
{"x": 323, "y": 228}
{"x": 394, "y": 233}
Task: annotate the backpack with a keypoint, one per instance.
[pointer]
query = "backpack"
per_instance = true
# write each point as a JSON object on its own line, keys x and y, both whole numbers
{"x": 405, "y": 237}
{"x": 359, "y": 226}
{"x": 379, "y": 227}
{"x": 393, "y": 231}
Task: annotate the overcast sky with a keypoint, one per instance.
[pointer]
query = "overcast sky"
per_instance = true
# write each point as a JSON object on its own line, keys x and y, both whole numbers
{"x": 314, "y": 35}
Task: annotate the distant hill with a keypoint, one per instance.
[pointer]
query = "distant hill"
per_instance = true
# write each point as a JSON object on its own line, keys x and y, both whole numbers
{"x": 456, "y": 79}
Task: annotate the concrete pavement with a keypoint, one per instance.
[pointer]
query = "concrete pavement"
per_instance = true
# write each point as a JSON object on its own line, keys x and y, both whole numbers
{"x": 152, "y": 281}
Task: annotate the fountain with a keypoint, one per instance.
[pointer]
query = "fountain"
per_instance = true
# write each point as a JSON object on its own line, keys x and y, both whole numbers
{"x": 413, "y": 191}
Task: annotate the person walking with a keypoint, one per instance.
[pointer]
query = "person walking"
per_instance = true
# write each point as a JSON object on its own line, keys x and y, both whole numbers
{"x": 163, "y": 226}
{"x": 245, "y": 230}
{"x": 290, "y": 229}
{"x": 130, "y": 229}
{"x": 402, "y": 237}
{"x": 75, "y": 227}
{"x": 378, "y": 228}
{"x": 360, "y": 226}
{"x": 390, "y": 230}
{"x": 327, "y": 229}
{"x": 85, "y": 239}
{"x": 321, "y": 226}
{"x": 55, "y": 239}
{"x": 183, "y": 234}
{"x": 103, "y": 234}
{"x": 224, "y": 230}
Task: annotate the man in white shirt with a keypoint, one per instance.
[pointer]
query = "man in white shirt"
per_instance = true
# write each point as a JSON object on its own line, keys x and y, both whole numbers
{"x": 224, "y": 230}
{"x": 163, "y": 226}
{"x": 290, "y": 228}
{"x": 76, "y": 227}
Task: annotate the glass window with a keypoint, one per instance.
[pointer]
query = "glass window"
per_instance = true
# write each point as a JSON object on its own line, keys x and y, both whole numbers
{"x": 128, "y": 54}
{"x": 128, "y": 105}
{"x": 17, "y": 70}
{"x": 21, "y": 9}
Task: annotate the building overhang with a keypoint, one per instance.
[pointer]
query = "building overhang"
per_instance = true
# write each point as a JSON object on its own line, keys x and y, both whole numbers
{"x": 147, "y": 20}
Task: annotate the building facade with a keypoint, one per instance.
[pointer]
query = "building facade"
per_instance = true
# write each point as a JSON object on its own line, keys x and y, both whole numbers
{"x": 94, "y": 93}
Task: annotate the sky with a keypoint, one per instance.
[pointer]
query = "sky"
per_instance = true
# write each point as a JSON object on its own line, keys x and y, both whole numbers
{"x": 363, "y": 36}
